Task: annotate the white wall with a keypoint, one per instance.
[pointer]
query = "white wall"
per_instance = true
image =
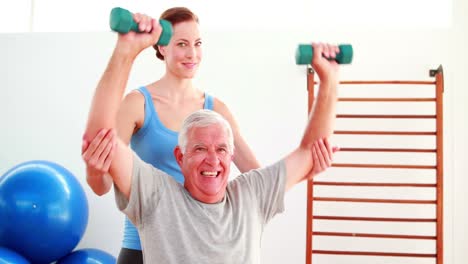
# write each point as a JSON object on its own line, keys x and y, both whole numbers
{"x": 49, "y": 78}
{"x": 457, "y": 163}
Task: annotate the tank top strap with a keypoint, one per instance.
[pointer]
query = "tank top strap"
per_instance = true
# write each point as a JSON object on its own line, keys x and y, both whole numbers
{"x": 209, "y": 102}
{"x": 149, "y": 107}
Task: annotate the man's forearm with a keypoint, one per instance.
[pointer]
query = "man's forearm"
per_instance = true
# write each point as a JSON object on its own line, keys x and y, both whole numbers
{"x": 306, "y": 159}
{"x": 108, "y": 94}
{"x": 322, "y": 117}
{"x": 100, "y": 184}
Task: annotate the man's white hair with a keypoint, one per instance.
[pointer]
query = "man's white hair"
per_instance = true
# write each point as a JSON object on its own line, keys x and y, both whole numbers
{"x": 204, "y": 118}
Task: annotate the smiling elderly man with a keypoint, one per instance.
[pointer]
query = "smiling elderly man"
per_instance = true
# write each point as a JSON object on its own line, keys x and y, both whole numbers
{"x": 207, "y": 220}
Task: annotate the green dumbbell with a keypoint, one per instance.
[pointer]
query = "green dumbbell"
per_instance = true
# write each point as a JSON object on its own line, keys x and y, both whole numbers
{"x": 305, "y": 53}
{"x": 121, "y": 20}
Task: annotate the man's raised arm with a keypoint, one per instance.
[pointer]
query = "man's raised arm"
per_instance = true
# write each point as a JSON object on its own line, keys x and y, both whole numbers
{"x": 314, "y": 144}
{"x": 109, "y": 93}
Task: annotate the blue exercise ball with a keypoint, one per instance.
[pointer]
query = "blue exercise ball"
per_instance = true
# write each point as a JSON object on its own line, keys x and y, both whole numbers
{"x": 10, "y": 257}
{"x": 43, "y": 211}
{"x": 88, "y": 256}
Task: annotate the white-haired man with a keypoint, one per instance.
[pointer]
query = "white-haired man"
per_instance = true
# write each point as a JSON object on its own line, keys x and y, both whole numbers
{"x": 208, "y": 219}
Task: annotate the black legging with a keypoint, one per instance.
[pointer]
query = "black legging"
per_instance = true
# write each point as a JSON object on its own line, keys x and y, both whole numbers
{"x": 130, "y": 256}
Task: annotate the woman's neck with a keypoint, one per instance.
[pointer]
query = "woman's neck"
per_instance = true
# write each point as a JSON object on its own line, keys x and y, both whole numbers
{"x": 170, "y": 86}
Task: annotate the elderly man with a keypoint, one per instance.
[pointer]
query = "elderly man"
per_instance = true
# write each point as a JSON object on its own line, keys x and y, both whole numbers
{"x": 207, "y": 220}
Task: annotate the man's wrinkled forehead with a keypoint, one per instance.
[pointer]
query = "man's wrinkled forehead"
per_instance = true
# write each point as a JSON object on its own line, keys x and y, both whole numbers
{"x": 211, "y": 134}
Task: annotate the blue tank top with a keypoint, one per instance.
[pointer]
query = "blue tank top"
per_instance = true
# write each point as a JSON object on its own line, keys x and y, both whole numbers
{"x": 154, "y": 143}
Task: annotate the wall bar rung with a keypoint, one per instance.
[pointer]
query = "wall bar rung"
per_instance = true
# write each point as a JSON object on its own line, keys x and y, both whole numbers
{"x": 387, "y": 82}
{"x": 373, "y": 99}
{"x": 386, "y": 166}
{"x": 386, "y": 150}
{"x": 342, "y": 234}
{"x": 374, "y": 219}
{"x": 392, "y": 133}
{"x": 389, "y": 116}
{"x": 364, "y": 253}
{"x": 365, "y": 200}
{"x": 374, "y": 184}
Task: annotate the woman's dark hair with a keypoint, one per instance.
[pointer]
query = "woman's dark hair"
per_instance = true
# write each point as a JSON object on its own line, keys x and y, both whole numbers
{"x": 176, "y": 15}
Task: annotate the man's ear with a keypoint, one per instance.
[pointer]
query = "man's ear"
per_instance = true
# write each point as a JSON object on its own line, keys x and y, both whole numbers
{"x": 233, "y": 155}
{"x": 178, "y": 155}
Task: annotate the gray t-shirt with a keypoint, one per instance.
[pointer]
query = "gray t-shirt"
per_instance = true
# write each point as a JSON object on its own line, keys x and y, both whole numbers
{"x": 176, "y": 228}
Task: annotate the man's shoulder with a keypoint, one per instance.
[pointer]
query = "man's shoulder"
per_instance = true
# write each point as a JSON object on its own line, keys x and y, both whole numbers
{"x": 143, "y": 167}
{"x": 255, "y": 177}
{"x": 274, "y": 167}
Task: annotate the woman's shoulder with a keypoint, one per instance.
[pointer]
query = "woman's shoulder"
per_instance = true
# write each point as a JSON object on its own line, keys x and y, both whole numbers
{"x": 133, "y": 104}
{"x": 218, "y": 104}
{"x": 134, "y": 97}
{"x": 132, "y": 109}
{"x": 220, "y": 107}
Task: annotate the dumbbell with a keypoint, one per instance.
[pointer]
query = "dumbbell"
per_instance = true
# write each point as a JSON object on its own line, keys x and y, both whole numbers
{"x": 305, "y": 53}
{"x": 121, "y": 20}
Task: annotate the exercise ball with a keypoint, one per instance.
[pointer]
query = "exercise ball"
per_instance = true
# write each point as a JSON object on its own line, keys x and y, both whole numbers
{"x": 88, "y": 256}
{"x": 43, "y": 211}
{"x": 10, "y": 257}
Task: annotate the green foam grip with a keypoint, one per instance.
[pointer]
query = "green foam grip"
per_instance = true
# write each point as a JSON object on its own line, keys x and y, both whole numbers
{"x": 121, "y": 20}
{"x": 305, "y": 53}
